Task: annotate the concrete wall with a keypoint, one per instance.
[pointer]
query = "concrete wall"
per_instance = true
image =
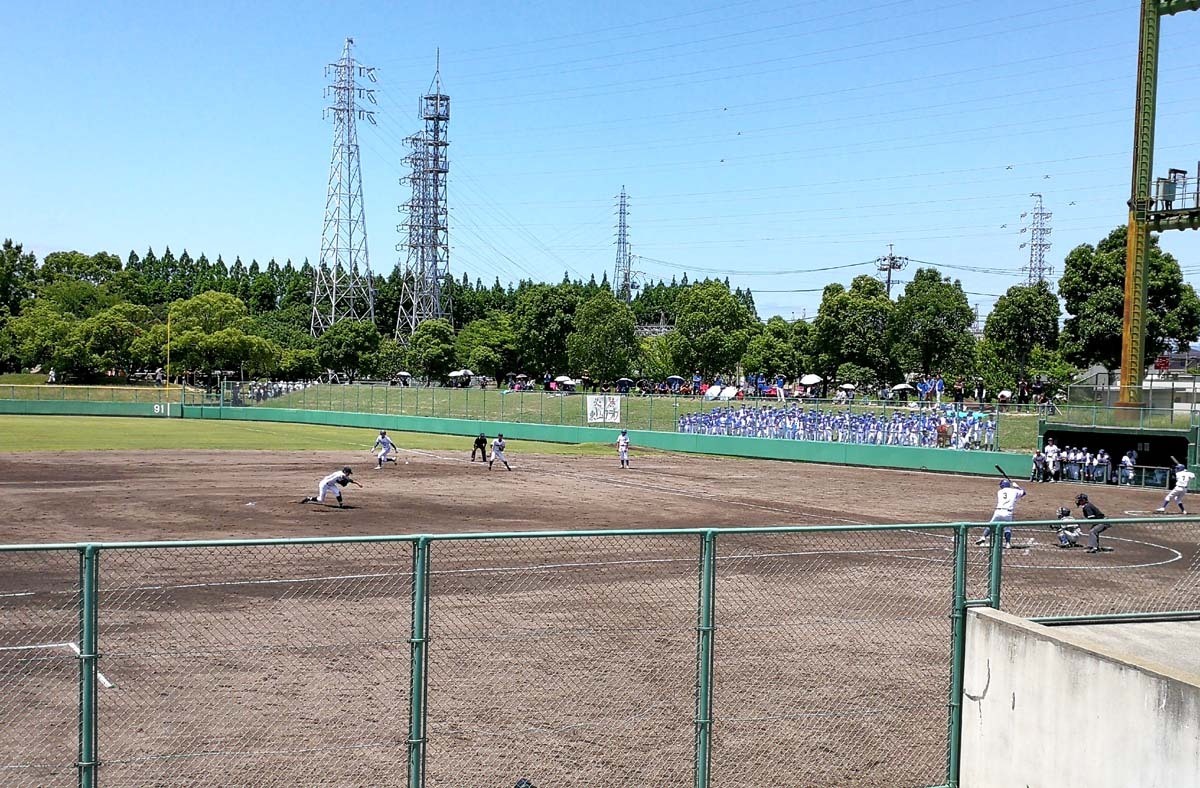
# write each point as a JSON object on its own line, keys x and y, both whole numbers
{"x": 1045, "y": 707}
{"x": 911, "y": 458}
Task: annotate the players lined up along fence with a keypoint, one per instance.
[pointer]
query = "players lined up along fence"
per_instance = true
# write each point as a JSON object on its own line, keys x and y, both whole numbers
{"x": 857, "y": 422}
{"x": 806, "y": 656}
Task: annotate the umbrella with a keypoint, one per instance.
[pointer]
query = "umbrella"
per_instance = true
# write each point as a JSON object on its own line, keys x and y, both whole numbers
{"x": 810, "y": 380}
{"x": 522, "y": 376}
{"x": 466, "y": 373}
{"x": 1006, "y": 394}
{"x": 624, "y": 380}
{"x": 902, "y": 387}
{"x": 674, "y": 377}
{"x": 403, "y": 375}
{"x": 564, "y": 379}
{"x": 847, "y": 387}
{"x": 458, "y": 373}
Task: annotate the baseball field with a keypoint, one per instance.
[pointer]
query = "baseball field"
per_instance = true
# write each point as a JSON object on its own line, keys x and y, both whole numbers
{"x": 570, "y": 660}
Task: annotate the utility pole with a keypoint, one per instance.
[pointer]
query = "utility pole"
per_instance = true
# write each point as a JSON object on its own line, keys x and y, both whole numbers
{"x": 1039, "y": 231}
{"x": 888, "y": 263}
{"x": 342, "y": 283}
{"x": 622, "y": 273}
{"x": 427, "y": 227}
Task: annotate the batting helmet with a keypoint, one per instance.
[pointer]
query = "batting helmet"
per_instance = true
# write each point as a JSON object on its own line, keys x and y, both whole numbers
{"x": 1179, "y": 468}
{"x": 1063, "y": 512}
{"x": 346, "y": 470}
{"x": 1081, "y": 499}
{"x": 1005, "y": 483}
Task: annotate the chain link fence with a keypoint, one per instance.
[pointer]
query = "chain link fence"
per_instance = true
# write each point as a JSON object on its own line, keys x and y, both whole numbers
{"x": 789, "y": 656}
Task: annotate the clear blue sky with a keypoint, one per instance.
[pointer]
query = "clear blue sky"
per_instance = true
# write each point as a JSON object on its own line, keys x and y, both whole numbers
{"x": 754, "y": 135}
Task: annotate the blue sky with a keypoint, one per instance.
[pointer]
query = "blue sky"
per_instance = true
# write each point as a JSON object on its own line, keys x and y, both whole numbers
{"x": 752, "y": 136}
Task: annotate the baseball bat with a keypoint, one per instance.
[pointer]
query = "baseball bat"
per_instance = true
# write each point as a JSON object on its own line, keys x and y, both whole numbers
{"x": 1175, "y": 461}
{"x": 1002, "y": 473}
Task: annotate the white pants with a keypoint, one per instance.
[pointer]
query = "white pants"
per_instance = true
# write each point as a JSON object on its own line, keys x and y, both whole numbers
{"x": 384, "y": 453}
{"x": 325, "y": 489}
{"x": 498, "y": 456}
{"x": 1175, "y": 495}
{"x": 623, "y": 454}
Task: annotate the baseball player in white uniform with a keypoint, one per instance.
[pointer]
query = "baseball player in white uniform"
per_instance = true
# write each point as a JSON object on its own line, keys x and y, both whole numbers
{"x": 498, "y": 452}
{"x": 1006, "y": 503}
{"x": 623, "y": 448}
{"x": 333, "y": 484}
{"x": 386, "y": 447}
{"x": 1183, "y": 477}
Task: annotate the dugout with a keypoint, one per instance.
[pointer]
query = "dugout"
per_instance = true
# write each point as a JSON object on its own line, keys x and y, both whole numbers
{"x": 1154, "y": 446}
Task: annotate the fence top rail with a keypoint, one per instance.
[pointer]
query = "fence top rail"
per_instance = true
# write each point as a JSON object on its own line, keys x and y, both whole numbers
{"x": 504, "y": 535}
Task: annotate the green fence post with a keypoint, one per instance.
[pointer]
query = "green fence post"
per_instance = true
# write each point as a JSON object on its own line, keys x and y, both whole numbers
{"x": 418, "y": 643}
{"x": 88, "y": 751}
{"x": 704, "y": 657}
{"x": 542, "y": 408}
{"x": 958, "y": 654}
{"x": 561, "y": 402}
{"x": 996, "y": 567}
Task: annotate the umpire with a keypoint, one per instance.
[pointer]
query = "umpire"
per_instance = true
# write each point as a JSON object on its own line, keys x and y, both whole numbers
{"x": 480, "y": 446}
{"x": 1090, "y": 511}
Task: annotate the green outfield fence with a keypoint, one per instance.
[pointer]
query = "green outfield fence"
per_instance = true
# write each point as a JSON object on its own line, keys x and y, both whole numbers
{"x": 800, "y": 656}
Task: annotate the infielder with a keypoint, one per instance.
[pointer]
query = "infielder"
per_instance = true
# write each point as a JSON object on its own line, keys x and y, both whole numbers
{"x": 1090, "y": 511}
{"x": 1006, "y": 503}
{"x": 480, "y": 446}
{"x": 386, "y": 447}
{"x": 333, "y": 484}
{"x": 1068, "y": 529}
{"x": 623, "y": 448}
{"x": 1183, "y": 477}
{"x": 498, "y": 452}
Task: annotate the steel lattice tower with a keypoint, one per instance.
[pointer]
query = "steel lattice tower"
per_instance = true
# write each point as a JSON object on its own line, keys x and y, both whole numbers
{"x": 1039, "y": 242}
{"x": 427, "y": 227}
{"x": 622, "y": 272}
{"x": 342, "y": 285}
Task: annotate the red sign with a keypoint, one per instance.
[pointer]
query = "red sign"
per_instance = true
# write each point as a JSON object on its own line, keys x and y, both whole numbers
{"x": 1162, "y": 363}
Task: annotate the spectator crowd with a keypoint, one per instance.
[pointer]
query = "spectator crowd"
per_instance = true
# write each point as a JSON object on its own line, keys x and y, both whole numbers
{"x": 942, "y": 427}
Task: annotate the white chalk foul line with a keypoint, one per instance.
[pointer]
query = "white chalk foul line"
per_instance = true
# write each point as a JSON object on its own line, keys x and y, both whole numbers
{"x": 73, "y": 646}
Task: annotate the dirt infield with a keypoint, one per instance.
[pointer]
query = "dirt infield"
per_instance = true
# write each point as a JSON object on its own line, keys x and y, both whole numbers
{"x": 568, "y": 661}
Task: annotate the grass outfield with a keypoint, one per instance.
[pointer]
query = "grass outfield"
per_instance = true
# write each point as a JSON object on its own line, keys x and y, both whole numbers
{"x": 98, "y": 433}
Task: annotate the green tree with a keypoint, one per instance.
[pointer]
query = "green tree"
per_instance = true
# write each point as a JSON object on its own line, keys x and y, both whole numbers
{"x": 298, "y": 364}
{"x": 543, "y": 319}
{"x": 77, "y": 266}
{"x": 108, "y": 338}
{"x": 487, "y": 346}
{"x": 712, "y": 330}
{"x": 772, "y": 351}
{"x": 931, "y": 325}
{"x": 605, "y": 341}
{"x": 852, "y": 327}
{"x": 17, "y": 271}
{"x": 77, "y": 297}
{"x": 388, "y": 359}
{"x": 433, "y": 349}
{"x": 345, "y": 344}
{"x": 1093, "y": 289}
{"x": 1024, "y": 318}
{"x": 654, "y": 360}
{"x": 42, "y": 336}
{"x": 210, "y": 312}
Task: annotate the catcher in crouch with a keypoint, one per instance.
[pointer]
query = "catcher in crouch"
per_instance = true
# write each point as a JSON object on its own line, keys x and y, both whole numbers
{"x": 333, "y": 484}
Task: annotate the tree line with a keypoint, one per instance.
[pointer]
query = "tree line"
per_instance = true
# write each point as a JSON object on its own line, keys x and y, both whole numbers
{"x": 88, "y": 315}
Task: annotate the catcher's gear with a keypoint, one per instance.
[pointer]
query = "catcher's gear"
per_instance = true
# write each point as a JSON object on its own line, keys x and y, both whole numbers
{"x": 1081, "y": 499}
{"x": 1005, "y": 483}
{"x": 1063, "y": 512}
